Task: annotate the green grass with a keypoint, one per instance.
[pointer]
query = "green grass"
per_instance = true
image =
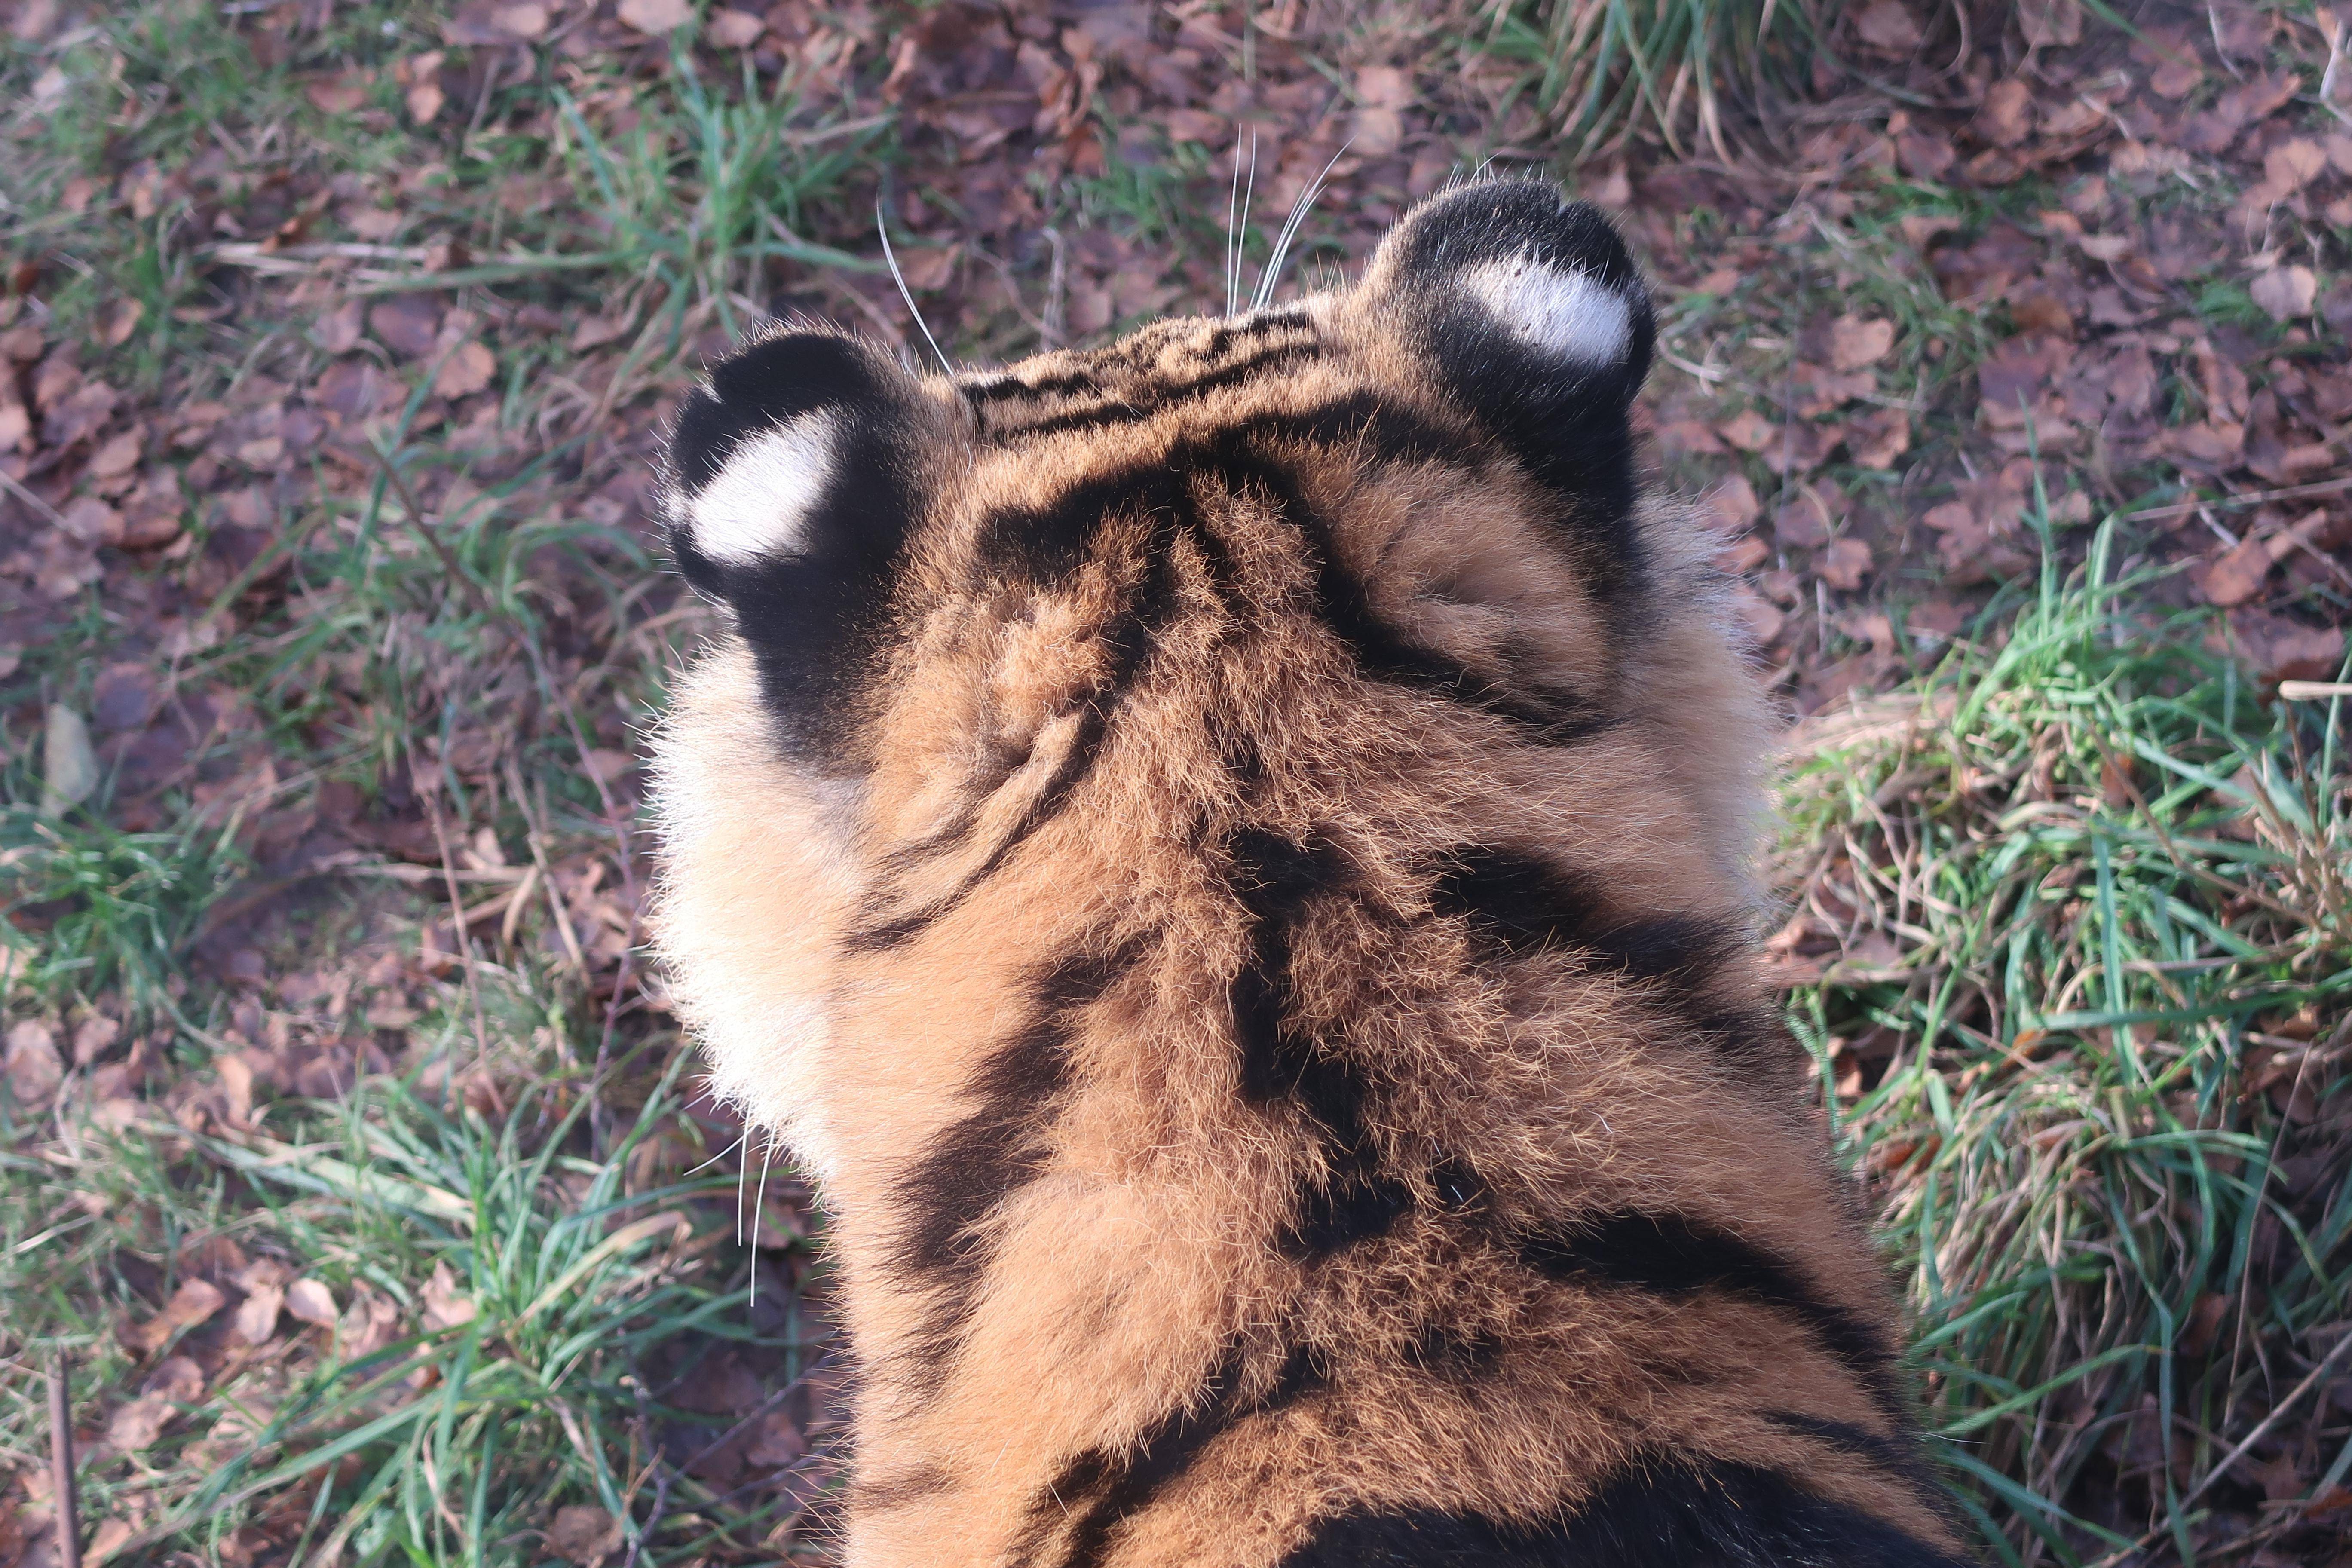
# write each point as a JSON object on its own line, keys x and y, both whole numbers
{"x": 1689, "y": 74}
{"x": 2105, "y": 885}
{"x": 120, "y": 908}
{"x": 528, "y": 1293}
{"x": 457, "y": 618}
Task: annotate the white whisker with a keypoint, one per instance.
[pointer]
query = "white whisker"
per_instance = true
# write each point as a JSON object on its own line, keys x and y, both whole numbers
{"x": 1237, "y": 206}
{"x": 1233, "y": 226}
{"x": 904, "y": 292}
{"x": 742, "y": 1176}
{"x": 1298, "y": 211}
{"x": 767, "y": 1152}
{"x": 716, "y": 1158}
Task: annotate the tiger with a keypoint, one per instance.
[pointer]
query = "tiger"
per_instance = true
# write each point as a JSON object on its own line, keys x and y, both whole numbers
{"x": 1227, "y": 859}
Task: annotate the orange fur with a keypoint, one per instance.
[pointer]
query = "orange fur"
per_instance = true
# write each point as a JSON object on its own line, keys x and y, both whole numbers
{"x": 1022, "y": 839}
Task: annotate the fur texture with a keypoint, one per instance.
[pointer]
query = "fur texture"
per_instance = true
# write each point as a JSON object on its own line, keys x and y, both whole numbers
{"x": 1225, "y": 854}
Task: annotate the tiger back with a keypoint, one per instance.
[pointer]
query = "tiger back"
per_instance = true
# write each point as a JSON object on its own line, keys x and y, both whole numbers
{"x": 1225, "y": 857}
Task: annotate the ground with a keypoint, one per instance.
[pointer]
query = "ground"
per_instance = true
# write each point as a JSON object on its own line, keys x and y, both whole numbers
{"x": 352, "y": 1172}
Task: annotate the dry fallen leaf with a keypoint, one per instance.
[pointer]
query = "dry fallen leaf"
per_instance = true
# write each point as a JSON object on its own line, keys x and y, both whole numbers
{"x": 68, "y": 766}
{"x": 443, "y": 1307}
{"x": 118, "y": 455}
{"x": 733, "y": 30}
{"x": 583, "y": 1533}
{"x": 178, "y": 1379}
{"x": 256, "y": 1315}
{"x": 527, "y": 21}
{"x": 2238, "y": 575}
{"x": 35, "y": 1068}
{"x": 1874, "y": 440}
{"x": 111, "y": 1536}
{"x": 1843, "y": 564}
{"x": 339, "y": 94}
{"x": 309, "y": 1301}
{"x": 138, "y": 1424}
{"x": 2292, "y": 165}
{"x": 194, "y": 1303}
{"x": 1748, "y": 430}
{"x": 119, "y": 321}
{"x": 1888, "y": 28}
{"x": 1731, "y": 505}
{"x": 337, "y": 332}
{"x": 1857, "y": 341}
{"x": 368, "y": 1324}
{"x": 2283, "y": 648}
{"x": 608, "y": 766}
{"x": 654, "y": 15}
{"x": 2007, "y": 115}
{"x": 407, "y": 324}
{"x": 2285, "y": 292}
{"x": 422, "y": 75}
{"x": 465, "y": 371}
{"x": 1802, "y": 524}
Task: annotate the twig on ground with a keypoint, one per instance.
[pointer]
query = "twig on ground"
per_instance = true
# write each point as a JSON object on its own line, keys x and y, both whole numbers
{"x": 2251, "y": 498}
{"x": 432, "y": 794}
{"x": 433, "y": 540}
{"x": 61, "y": 1465}
{"x": 2262, "y": 1430}
{"x": 15, "y": 488}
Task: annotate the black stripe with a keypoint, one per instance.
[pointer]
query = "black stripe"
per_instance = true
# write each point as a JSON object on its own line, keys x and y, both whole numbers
{"x": 1116, "y": 1487}
{"x": 1899, "y": 1456}
{"x": 898, "y": 1490}
{"x": 1663, "y": 1512}
{"x": 1525, "y": 904}
{"x": 1521, "y": 905}
{"x": 970, "y": 1168}
{"x": 1128, "y": 641}
{"x": 999, "y": 388}
{"x": 1046, "y": 541}
{"x": 1274, "y": 881}
{"x": 1450, "y": 1351}
{"x": 1078, "y": 762}
{"x": 1135, "y": 405}
{"x": 1668, "y": 1255}
{"x": 1226, "y": 334}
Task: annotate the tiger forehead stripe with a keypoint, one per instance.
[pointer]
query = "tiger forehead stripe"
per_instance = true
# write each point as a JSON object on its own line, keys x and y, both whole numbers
{"x": 1228, "y": 856}
{"x": 1126, "y": 389}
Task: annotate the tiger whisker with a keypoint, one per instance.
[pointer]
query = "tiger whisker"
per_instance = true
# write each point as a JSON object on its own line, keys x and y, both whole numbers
{"x": 1297, "y": 219}
{"x": 1237, "y": 206}
{"x": 767, "y": 1152}
{"x": 722, "y": 1153}
{"x": 906, "y": 293}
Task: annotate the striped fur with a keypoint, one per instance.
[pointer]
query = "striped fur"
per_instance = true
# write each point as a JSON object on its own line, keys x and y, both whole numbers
{"x": 1226, "y": 856}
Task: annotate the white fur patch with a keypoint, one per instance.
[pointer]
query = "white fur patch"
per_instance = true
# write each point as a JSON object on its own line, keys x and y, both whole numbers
{"x": 758, "y": 881}
{"x": 757, "y": 508}
{"x": 1572, "y": 315}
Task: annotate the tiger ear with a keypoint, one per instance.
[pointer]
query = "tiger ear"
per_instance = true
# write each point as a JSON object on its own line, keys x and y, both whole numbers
{"x": 1530, "y": 307}
{"x": 793, "y": 476}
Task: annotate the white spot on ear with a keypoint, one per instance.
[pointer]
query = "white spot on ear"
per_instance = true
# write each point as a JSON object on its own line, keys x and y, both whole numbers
{"x": 758, "y": 506}
{"x": 1572, "y": 315}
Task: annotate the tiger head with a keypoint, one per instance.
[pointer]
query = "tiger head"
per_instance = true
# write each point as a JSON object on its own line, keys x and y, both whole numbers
{"x": 996, "y": 644}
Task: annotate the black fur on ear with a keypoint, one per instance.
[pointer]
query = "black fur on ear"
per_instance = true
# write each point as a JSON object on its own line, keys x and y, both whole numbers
{"x": 1532, "y": 311}
{"x": 792, "y": 479}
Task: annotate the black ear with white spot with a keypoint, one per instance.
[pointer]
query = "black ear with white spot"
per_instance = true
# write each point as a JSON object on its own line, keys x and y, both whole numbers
{"x": 1531, "y": 308}
{"x": 794, "y": 478}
